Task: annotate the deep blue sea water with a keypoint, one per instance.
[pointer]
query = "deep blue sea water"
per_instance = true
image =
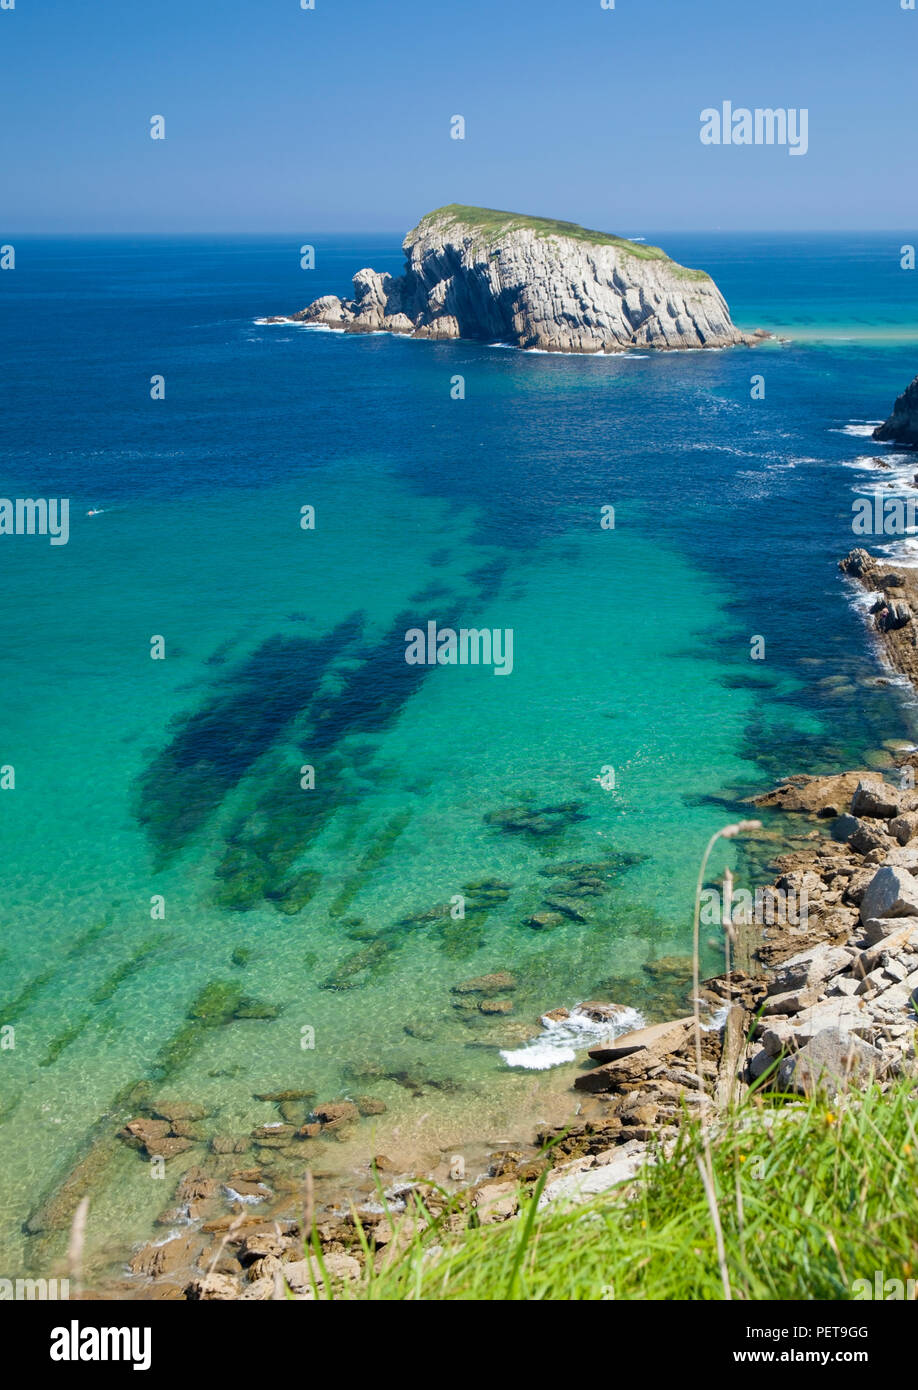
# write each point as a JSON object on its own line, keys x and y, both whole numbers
{"x": 140, "y": 780}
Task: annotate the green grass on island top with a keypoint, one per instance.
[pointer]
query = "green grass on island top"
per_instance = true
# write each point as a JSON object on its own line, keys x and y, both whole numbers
{"x": 493, "y": 223}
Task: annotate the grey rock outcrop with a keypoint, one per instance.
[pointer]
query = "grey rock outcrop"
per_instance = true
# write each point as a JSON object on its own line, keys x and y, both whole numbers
{"x": 890, "y": 893}
{"x": 902, "y": 425}
{"x": 832, "y": 1060}
{"x": 809, "y": 968}
{"x": 876, "y": 799}
{"x": 479, "y": 274}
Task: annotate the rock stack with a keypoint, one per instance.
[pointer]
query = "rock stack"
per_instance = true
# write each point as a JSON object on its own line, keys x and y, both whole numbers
{"x": 902, "y": 425}
{"x": 499, "y": 276}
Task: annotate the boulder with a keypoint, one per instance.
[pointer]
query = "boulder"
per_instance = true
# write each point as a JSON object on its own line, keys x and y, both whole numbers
{"x": 872, "y": 983}
{"x": 600, "y": 1011}
{"x": 902, "y": 857}
{"x": 776, "y": 1036}
{"x": 831, "y": 1060}
{"x": 576, "y": 1185}
{"x": 196, "y": 1186}
{"x": 808, "y": 969}
{"x": 904, "y": 826}
{"x": 857, "y": 563}
{"x": 262, "y": 1243}
{"x": 165, "y": 1258}
{"x": 212, "y": 1286}
{"x": 303, "y": 1275}
{"x": 898, "y": 614}
{"x": 866, "y": 837}
{"x": 845, "y": 1014}
{"x": 174, "y": 1110}
{"x": 889, "y": 943}
{"x": 336, "y": 1113}
{"x": 897, "y": 1003}
{"x": 843, "y": 826}
{"x": 759, "y": 1064}
{"x": 877, "y": 929}
{"x": 659, "y": 1039}
{"x": 496, "y": 1201}
{"x": 891, "y": 892}
{"x": 791, "y": 1002}
{"x": 876, "y": 799}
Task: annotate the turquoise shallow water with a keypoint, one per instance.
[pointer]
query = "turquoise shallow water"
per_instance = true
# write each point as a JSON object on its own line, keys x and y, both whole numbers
{"x": 180, "y": 778}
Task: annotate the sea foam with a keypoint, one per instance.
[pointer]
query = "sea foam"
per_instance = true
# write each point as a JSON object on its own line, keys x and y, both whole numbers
{"x": 563, "y": 1038}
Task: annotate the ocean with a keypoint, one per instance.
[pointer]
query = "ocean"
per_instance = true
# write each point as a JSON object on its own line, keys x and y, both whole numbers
{"x": 244, "y": 830}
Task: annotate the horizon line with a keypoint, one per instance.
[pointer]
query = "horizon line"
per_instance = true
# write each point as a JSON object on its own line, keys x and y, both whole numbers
{"x": 388, "y": 231}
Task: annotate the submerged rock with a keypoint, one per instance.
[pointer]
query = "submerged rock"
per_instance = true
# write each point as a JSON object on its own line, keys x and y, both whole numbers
{"x": 216, "y": 1003}
{"x": 670, "y": 968}
{"x": 494, "y": 983}
{"x": 294, "y": 893}
{"x": 496, "y": 1006}
{"x": 333, "y": 1114}
{"x": 571, "y": 908}
{"x": 590, "y": 870}
{"x": 365, "y": 961}
{"x": 290, "y": 1094}
{"x": 255, "y": 1008}
{"x": 545, "y": 921}
{"x": 538, "y": 821}
{"x": 369, "y": 1105}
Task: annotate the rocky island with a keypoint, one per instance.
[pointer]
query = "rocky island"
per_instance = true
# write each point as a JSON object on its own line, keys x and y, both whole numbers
{"x": 535, "y": 283}
{"x": 902, "y": 425}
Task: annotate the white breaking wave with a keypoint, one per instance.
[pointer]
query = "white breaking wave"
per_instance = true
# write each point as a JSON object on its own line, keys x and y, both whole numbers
{"x": 564, "y": 1038}
{"x": 860, "y": 429}
{"x": 295, "y": 323}
{"x": 250, "y": 1197}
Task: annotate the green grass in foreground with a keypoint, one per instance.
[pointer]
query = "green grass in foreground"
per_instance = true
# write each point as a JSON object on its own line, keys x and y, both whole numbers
{"x": 810, "y": 1199}
{"x": 493, "y": 224}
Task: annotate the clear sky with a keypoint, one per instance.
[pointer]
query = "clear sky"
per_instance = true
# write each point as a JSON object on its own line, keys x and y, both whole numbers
{"x": 282, "y": 119}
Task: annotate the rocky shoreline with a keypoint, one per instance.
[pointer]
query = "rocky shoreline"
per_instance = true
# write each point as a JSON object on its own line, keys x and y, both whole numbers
{"x": 829, "y": 1000}
{"x": 895, "y": 588}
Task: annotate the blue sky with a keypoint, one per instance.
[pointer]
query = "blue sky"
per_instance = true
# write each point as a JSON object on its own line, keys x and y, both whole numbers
{"x": 279, "y": 119}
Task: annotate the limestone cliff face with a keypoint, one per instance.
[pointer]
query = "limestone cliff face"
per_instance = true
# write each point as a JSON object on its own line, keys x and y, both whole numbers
{"x": 902, "y": 425}
{"x": 476, "y": 273}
